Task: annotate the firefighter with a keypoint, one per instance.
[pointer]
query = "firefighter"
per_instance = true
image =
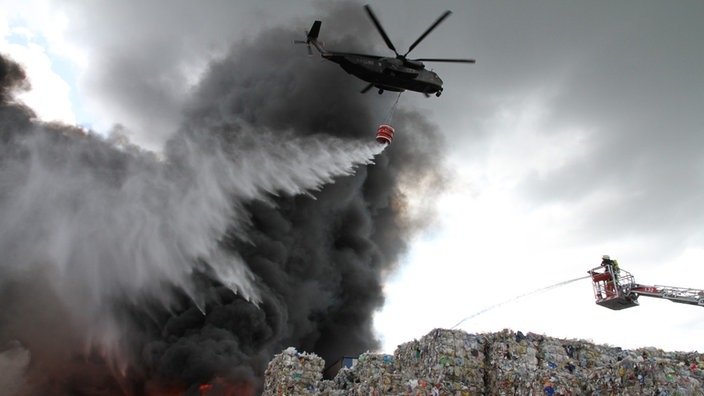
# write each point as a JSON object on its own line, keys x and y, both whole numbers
{"x": 610, "y": 266}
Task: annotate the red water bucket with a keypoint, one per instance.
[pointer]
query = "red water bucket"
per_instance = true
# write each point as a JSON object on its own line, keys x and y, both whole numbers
{"x": 385, "y": 134}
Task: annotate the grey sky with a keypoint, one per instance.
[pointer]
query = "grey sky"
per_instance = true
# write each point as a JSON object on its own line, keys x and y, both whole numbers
{"x": 629, "y": 73}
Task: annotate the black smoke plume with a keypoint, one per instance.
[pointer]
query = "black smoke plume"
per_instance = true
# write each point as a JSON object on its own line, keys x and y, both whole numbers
{"x": 262, "y": 225}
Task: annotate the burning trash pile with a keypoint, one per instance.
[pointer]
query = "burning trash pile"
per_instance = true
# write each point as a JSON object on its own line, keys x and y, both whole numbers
{"x": 293, "y": 373}
{"x": 452, "y": 362}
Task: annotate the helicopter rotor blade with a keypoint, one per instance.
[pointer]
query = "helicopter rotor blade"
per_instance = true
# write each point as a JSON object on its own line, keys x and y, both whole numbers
{"x": 427, "y": 32}
{"x": 380, "y": 29}
{"x": 367, "y": 88}
{"x": 446, "y": 60}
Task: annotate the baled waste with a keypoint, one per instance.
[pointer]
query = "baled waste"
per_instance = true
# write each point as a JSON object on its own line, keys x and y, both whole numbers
{"x": 453, "y": 362}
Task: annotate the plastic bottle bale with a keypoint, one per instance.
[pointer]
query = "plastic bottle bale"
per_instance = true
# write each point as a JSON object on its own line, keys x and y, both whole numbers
{"x": 560, "y": 367}
{"x": 453, "y": 356}
{"x": 513, "y": 363}
{"x": 375, "y": 373}
{"x": 293, "y": 373}
{"x": 385, "y": 134}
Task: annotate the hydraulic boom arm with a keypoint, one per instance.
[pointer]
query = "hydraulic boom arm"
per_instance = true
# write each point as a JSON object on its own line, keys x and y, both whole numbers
{"x": 675, "y": 294}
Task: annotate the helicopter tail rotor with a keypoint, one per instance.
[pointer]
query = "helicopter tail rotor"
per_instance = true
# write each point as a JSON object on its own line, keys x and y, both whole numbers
{"x": 312, "y": 38}
{"x": 310, "y": 50}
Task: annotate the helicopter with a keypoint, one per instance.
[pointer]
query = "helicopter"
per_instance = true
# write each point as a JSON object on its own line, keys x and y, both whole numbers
{"x": 395, "y": 74}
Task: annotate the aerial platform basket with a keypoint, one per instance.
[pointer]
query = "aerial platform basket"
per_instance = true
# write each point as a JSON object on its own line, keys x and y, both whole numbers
{"x": 616, "y": 289}
{"x": 612, "y": 289}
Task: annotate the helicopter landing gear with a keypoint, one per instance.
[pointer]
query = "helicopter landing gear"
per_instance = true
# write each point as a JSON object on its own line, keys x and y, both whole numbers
{"x": 438, "y": 93}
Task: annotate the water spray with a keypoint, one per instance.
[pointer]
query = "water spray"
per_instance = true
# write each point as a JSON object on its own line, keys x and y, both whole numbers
{"x": 518, "y": 297}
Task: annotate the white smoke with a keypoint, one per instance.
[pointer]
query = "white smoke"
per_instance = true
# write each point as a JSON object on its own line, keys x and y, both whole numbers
{"x": 14, "y": 360}
{"x": 108, "y": 224}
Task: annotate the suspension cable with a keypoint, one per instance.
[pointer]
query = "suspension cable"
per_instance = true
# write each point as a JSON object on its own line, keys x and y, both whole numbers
{"x": 392, "y": 110}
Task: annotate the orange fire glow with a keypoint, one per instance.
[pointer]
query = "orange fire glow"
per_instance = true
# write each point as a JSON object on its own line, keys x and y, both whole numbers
{"x": 205, "y": 389}
{"x": 221, "y": 387}
{"x": 218, "y": 386}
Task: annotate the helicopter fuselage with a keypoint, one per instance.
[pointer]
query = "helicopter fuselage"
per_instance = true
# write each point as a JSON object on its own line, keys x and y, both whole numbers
{"x": 388, "y": 74}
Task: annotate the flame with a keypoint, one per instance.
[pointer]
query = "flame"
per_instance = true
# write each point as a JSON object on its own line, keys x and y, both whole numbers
{"x": 221, "y": 387}
{"x": 205, "y": 389}
{"x": 218, "y": 386}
